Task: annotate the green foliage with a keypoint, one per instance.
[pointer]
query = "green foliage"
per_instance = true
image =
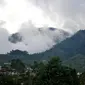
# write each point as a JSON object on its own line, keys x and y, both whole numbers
{"x": 50, "y": 73}
{"x": 18, "y": 65}
{"x": 77, "y": 62}
{"x": 82, "y": 78}
{"x": 37, "y": 66}
{"x": 56, "y": 74}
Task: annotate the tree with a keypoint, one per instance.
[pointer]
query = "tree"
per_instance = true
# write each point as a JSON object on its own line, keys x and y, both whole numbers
{"x": 18, "y": 65}
{"x": 55, "y": 73}
{"x": 82, "y": 78}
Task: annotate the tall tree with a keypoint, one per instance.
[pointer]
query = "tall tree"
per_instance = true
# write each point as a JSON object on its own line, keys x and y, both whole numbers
{"x": 56, "y": 74}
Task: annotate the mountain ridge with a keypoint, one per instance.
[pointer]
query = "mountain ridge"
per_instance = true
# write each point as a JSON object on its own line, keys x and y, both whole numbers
{"x": 66, "y": 50}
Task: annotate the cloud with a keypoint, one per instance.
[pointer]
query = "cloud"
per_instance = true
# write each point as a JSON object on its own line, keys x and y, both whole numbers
{"x": 31, "y": 39}
{"x": 68, "y": 14}
{"x": 2, "y": 2}
{"x": 36, "y": 40}
{"x": 64, "y": 14}
{"x": 5, "y": 45}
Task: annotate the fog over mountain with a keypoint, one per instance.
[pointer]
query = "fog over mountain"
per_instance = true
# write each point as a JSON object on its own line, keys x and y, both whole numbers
{"x": 37, "y": 40}
{"x": 29, "y": 22}
{"x": 34, "y": 40}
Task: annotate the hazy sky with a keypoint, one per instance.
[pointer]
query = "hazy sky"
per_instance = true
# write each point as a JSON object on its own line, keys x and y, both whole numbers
{"x": 68, "y": 14}
{"x": 16, "y": 12}
{"x": 25, "y": 16}
{"x": 65, "y": 14}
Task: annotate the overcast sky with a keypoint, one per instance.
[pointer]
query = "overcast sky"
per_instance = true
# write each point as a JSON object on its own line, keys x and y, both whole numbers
{"x": 65, "y": 14}
{"x": 16, "y": 15}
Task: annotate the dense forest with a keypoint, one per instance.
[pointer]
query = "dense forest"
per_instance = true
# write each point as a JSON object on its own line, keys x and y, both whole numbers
{"x": 51, "y": 72}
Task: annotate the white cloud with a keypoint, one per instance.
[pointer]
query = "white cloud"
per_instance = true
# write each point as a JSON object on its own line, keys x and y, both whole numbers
{"x": 68, "y": 14}
{"x": 34, "y": 40}
{"x": 38, "y": 40}
{"x": 5, "y": 45}
{"x": 64, "y": 14}
{"x": 58, "y": 13}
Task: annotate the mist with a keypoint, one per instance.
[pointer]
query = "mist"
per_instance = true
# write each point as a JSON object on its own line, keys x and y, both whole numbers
{"x": 36, "y": 40}
{"x": 68, "y": 14}
{"x": 5, "y": 45}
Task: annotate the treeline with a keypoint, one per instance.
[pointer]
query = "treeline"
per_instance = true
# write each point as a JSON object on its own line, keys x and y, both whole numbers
{"x": 41, "y": 73}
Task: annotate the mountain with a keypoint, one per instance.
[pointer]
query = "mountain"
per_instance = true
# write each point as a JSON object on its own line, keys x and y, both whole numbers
{"x": 67, "y": 48}
{"x": 77, "y": 61}
{"x": 71, "y": 51}
{"x": 71, "y": 46}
